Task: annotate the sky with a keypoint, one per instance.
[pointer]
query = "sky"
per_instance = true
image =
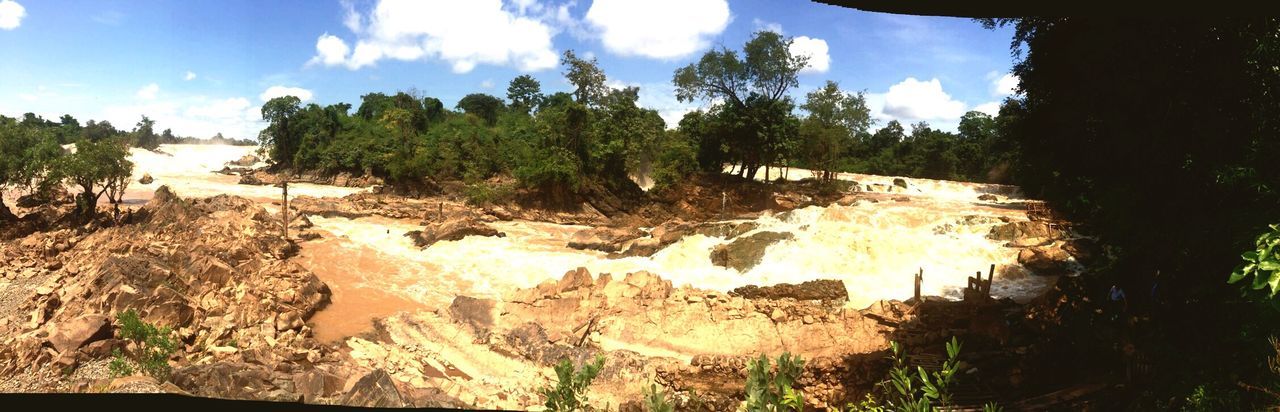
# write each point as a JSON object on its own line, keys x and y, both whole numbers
{"x": 205, "y": 67}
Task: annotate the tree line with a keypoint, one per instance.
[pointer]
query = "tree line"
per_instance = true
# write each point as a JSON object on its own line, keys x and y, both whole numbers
{"x": 597, "y": 133}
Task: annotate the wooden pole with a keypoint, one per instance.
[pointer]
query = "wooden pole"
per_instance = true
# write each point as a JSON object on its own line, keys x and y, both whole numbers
{"x": 284, "y": 211}
{"x": 919, "y": 280}
{"x": 991, "y": 274}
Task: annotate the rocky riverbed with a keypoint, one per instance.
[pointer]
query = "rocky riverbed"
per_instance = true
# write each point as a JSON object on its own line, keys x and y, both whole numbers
{"x": 383, "y": 300}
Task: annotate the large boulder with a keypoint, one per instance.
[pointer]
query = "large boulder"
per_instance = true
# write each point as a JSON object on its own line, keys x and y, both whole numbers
{"x": 1046, "y": 261}
{"x": 474, "y": 312}
{"x": 246, "y": 160}
{"x": 604, "y": 239}
{"x": 822, "y": 289}
{"x": 76, "y": 333}
{"x": 451, "y": 230}
{"x": 146, "y": 179}
{"x": 1014, "y": 231}
{"x": 375, "y": 390}
{"x": 746, "y": 252}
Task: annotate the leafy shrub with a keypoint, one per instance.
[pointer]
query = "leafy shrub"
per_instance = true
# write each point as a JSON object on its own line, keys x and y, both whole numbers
{"x": 154, "y": 347}
{"x": 1263, "y": 263}
{"x": 774, "y": 391}
{"x": 655, "y": 400}
{"x": 570, "y": 391}
{"x": 908, "y": 390}
{"x": 481, "y": 194}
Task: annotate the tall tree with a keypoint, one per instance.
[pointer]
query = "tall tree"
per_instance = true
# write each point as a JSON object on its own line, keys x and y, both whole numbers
{"x": 95, "y": 167}
{"x": 145, "y": 134}
{"x": 483, "y": 106}
{"x": 525, "y": 93}
{"x": 754, "y": 85}
{"x": 586, "y": 77}
{"x": 281, "y": 137}
{"x": 835, "y": 120}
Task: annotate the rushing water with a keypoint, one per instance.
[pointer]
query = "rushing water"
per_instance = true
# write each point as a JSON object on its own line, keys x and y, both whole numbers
{"x": 874, "y": 247}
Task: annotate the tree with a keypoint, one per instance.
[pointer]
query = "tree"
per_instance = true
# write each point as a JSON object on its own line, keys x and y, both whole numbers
{"x": 835, "y": 120}
{"x": 525, "y": 93}
{"x": 96, "y": 167}
{"x": 400, "y": 123}
{"x": 167, "y": 136}
{"x": 623, "y": 135}
{"x": 754, "y": 87}
{"x": 29, "y": 154}
{"x": 280, "y": 138}
{"x": 483, "y": 106}
{"x": 145, "y": 134}
{"x": 586, "y": 77}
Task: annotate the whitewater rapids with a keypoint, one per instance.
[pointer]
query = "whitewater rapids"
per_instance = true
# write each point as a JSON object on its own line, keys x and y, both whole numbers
{"x": 874, "y": 247}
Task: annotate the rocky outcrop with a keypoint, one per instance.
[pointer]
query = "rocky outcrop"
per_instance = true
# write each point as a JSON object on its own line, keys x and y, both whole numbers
{"x": 213, "y": 270}
{"x": 900, "y": 182}
{"x": 1014, "y": 231}
{"x": 451, "y": 230}
{"x": 604, "y": 239}
{"x": 246, "y": 161}
{"x": 823, "y": 289}
{"x": 987, "y": 197}
{"x": 1046, "y": 261}
{"x": 375, "y": 390}
{"x": 146, "y": 179}
{"x": 746, "y": 252}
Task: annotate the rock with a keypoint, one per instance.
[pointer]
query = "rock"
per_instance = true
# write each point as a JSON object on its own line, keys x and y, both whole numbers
{"x": 249, "y": 179}
{"x": 987, "y": 197}
{"x": 80, "y": 331}
{"x": 848, "y": 200}
{"x": 778, "y": 315}
{"x": 134, "y": 384}
{"x": 102, "y": 348}
{"x": 900, "y": 182}
{"x": 246, "y": 161}
{"x": 746, "y": 252}
{"x": 225, "y": 379}
{"x": 146, "y": 179}
{"x": 822, "y": 289}
{"x": 1086, "y": 251}
{"x": 477, "y": 313}
{"x": 651, "y": 286}
{"x": 451, "y": 230}
{"x": 574, "y": 279}
{"x": 604, "y": 239}
{"x": 376, "y": 390}
{"x": 314, "y": 384}
{"x": 1045, "y": 261}
{"x": 1021, "y": 230}
{"x": 727, "y": 230}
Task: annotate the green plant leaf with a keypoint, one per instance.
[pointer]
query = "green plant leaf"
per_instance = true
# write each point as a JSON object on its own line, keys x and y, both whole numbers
{"x": 1251, "y": 256}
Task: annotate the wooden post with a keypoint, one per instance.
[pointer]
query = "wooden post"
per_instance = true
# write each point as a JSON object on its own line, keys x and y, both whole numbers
{"x": 991, "y": 275}
{"x": 284, "y": 211}
{"x": 919, "y": 280}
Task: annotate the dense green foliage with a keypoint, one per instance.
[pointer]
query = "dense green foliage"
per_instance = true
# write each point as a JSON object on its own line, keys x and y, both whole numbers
{"x": 570, "y": 391}
{"x": 96, "y": 167}
{"x": 1160, "y": 135}
{"x": 1262, "y": 263}
{"x": 774, "y": 390}
{"x": 153, "y": 346}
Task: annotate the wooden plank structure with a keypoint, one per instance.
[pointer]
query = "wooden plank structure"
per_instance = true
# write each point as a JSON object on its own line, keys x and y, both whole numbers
{"x": 919, "y": 280}
{"x": 978, "y": 287}
{"x": 284, "y": 210}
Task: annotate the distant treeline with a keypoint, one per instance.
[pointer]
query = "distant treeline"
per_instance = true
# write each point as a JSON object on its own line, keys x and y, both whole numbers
{"x": 597, "y": 133}
{"x": 67, "y": 130}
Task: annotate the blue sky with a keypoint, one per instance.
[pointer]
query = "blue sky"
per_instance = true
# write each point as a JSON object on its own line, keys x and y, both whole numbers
{"x": 202, "y": 67}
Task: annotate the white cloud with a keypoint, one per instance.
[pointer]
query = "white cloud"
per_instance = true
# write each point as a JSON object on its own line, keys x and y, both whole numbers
{"x": 353, "y": 19}
{"x": 330, "y": 50}
{"x": 816, "y": 49}
{"x": 1006, "y": 85}
{"x": 486, "y": 84}
{"x": 660, "y": 29}
{"x": 149, "y": 91}
{"x": 196, "y": 116}
{"x": 915, "y": 100}
{"x": 762, "y": 25}
{"x": 11, "y": 14}
{"x": 189, "y": 76}
{"x": 281, "y": 91}
{"x": 991, "y": 108}
{"x": 462, "y": 33}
